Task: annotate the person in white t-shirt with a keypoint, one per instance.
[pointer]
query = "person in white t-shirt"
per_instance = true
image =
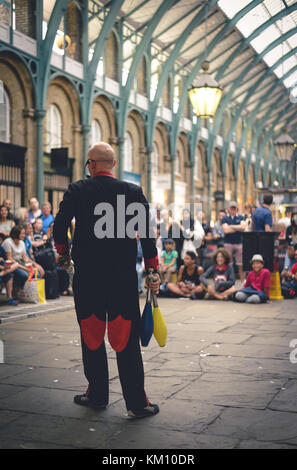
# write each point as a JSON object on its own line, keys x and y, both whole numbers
{"x": 15, "y": 249}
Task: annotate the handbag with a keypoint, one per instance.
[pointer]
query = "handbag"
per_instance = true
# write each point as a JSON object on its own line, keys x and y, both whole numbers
{"x": 33, "y": 291}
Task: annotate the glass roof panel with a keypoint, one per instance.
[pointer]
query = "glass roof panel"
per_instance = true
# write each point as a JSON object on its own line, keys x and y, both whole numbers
{"x": 269, "y": 35}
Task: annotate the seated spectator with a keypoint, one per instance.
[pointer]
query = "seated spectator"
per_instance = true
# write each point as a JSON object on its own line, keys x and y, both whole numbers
{"x": 6, "y": 274}
{"x": 34, "y": 210}
{"x": 39, "y": 238}
{"x": 46, "y": 217}
{"x": 8, "y": 204}
{"x": 6, "y": 224}
{"x": 168, "y": 263}
{"x": 188, "y": 281}
{"x": 23, "y": 215}
{"x": 222, "y": 274}
{"x": 291, "y": 232}
{"x": 289, "y": 278}
{"x": 15, "y": 250}
{"x": 281, "y": 228}
{"x": 64, "y": 278}
{"x": 289, "y": 258}
{"x": 257, "y": 285}
{"x": 29, "y": 249}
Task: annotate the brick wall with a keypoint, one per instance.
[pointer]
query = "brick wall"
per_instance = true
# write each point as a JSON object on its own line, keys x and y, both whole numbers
{"x": 74, "y": 30}
{"x": 4, "y": 14}
{"x": 25, "y": 17}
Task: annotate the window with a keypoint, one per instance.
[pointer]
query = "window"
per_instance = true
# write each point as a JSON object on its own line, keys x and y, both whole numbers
{"x": 128, "y": 153}
{"x": 95, "y": 134}
{"x": 4, "y": 118}
{"x": 155, "y": 160}
{"x": 53, "y": 128}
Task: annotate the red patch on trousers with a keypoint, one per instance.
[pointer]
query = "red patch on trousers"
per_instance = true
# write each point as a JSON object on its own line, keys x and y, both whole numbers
{"x": 93, "y": 331}
{"x": 119, "y": 333}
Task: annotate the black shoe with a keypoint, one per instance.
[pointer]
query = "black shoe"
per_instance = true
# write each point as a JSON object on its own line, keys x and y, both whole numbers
{"x": 84, "y": 400}
{"x": 193, "y": 297}
{"x": 149, "y": 410}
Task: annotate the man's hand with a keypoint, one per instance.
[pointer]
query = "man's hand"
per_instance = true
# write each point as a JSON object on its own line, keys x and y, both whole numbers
{"x": 154, "y": 285}
{"x": 64, "y": 261}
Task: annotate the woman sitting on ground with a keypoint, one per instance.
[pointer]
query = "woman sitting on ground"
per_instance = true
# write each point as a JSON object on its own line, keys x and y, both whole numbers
{"x": 188, "y": 280}
{"x": 223, "y": 276}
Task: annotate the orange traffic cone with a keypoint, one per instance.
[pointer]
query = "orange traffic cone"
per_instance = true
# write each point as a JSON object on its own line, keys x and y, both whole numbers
{"x": 275, "y": 287}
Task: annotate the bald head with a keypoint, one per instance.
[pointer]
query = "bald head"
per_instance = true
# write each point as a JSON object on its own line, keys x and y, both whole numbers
{"x": 102, "y": 156}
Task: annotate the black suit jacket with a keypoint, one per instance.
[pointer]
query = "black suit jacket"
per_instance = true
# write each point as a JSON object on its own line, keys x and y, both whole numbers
{"x": 105, "y": 277}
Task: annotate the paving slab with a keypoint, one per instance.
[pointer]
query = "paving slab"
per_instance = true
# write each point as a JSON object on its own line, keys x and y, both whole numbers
{"x": 232, "y": 390}
{"x": 286, "y": 400}
{"x": 259, "y": 425}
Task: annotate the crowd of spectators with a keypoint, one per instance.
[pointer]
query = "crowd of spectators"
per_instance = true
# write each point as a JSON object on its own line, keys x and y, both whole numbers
{"x": 205, "y": 261}
{"x": 202, "y": 262}
{"x": 27, "y": 250}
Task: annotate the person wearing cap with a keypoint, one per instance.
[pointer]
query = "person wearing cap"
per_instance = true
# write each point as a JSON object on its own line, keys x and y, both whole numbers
{"x": 105, "y": 286}
{"x": 262, "y": 217}
{"x": 233, "y": 225}
{"x": 257, "y": 285}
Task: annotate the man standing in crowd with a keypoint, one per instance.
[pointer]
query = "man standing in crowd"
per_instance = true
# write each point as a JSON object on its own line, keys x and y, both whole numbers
{"x": 233, "y": 224}
{"x": 105, "y": 278}
{"x": 262, "y": 217}
{"x": 46, "y": 217}
{"x": 217, "y": 231}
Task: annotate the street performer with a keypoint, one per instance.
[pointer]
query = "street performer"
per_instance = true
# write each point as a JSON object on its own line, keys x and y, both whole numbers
{"x": 105, "y": 283}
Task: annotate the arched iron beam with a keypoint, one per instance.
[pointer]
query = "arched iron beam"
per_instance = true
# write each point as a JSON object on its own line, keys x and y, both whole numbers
{"x": 261, "y": 101}
{"x": 189, "y": 12}
{"x": 44, "y": 52}
{"x": 87, "y": 101}
{"x": 46, "y": 46}
{"x": 172, "y": 43}
{"x": 162, "y": 80}
{"x": 229, "y": 25}
{"x": 213, "y": 58}
{"x": 201, "y": 39}
{"x": 280, "y": 61}
{"x": 246, "y": 41}
{"x": 269, "y": 133}
{"x": 227, "y": 97}
{"x": 125, "y": 90}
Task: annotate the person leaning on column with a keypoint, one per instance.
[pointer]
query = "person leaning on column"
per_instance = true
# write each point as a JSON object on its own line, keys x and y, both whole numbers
{"x": 105, "y": 281}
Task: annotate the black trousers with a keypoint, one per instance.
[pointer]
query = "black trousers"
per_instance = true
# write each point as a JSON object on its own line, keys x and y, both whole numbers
{"x": 130, "y": 368}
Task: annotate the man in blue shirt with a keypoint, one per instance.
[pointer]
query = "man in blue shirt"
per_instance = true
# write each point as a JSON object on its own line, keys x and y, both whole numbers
{"x": 262, "y": 217}
{"x": 47, "y": 218}
{"x": 233, "y": 224}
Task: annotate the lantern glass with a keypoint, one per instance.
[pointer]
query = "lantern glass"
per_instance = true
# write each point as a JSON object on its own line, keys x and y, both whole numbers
{"x": 284, "y": 147}
{"x": 205, "y": 100}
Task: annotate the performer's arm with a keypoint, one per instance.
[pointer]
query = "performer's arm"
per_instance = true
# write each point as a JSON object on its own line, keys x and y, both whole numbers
{"x": 63, "y": 219}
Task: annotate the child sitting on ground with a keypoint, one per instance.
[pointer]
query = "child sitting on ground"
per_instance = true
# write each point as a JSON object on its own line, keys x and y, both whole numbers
{"x": 168, "y": 263}
{"x": 257, "y": 284}
{"x": 188, "y": 280}
{"x": 222, "y": 274}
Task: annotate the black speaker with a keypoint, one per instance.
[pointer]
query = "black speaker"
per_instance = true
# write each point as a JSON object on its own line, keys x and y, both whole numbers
{"x": 59, "y": 157}
{"x": 261, "y": 243}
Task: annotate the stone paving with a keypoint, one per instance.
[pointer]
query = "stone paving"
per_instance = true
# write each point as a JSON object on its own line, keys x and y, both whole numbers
{"x": 224, "y": 380}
